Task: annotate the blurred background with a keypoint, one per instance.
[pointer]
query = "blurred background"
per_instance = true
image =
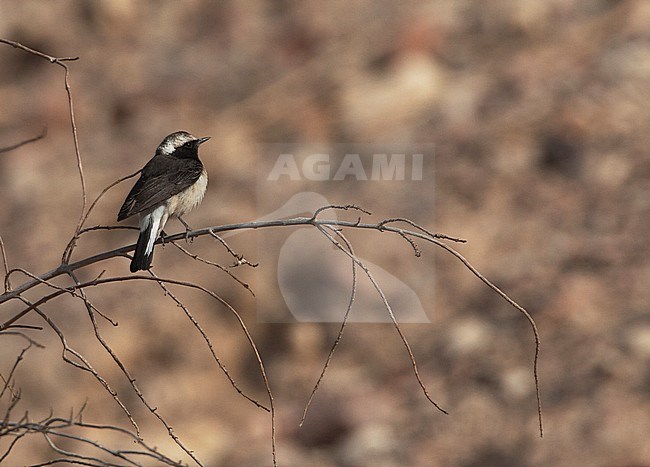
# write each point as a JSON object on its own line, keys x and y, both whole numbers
{"x": 539, "y": 115}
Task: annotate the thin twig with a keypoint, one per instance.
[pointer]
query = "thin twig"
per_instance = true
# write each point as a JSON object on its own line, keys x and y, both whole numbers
{"x": 207, "y": 340}
{"x": 51, "y": 59}
{"x": 75, "y": 138}
{"x": 68, "y": 249}
{"x": 419, "y": 227}
{"x": 239, "y": 259}
{"x": 416, "y": 248}
{"x": 217, "y": 265}
{"x": 389, "y": 309}
{"x": 330, "y": 355}
{"x": 519, "y": 308}
{"x": 84, "y": 365}
{"x": 54, "y": 427}
{"x": 107, "y": 227}
{"x": 19, "y": 358}
{"x": 125, "y": 371}
{"x": 5, "y": 264}
{"x": 42, "y": 135}
{"x": 75, "y": 294}
{"x": 342, "y": 207}
{"x": 34, "y": 342}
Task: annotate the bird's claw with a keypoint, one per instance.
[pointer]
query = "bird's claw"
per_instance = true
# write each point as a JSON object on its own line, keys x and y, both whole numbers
{"x": 188, "y": 230}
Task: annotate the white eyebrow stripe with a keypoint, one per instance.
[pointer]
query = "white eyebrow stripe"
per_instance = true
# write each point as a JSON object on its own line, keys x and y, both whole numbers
{"x": 174, "y": 141}
{"x": 167, "y": 147}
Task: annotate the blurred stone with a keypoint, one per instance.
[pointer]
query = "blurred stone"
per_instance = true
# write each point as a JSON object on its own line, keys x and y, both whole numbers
{"x": 468, "y": 336}
{"x": 638, "y": 339}
{"x": 370, "y": 443}
{"x": 376, "y": 105}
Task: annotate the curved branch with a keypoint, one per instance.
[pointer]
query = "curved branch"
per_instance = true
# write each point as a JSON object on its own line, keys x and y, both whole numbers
{"x": 297, "y": 221}
{"x": 75, "y": 138}
{"x": 389, "y": 309}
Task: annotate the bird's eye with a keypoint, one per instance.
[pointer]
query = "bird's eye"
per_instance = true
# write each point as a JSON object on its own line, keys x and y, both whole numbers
{"x": 189, "y": 145}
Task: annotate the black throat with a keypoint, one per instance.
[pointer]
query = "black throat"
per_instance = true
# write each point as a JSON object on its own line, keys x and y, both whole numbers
{"x": 186, "y": 153}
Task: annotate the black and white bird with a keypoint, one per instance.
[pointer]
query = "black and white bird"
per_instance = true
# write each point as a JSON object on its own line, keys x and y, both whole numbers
{"x": 172, "y": 183}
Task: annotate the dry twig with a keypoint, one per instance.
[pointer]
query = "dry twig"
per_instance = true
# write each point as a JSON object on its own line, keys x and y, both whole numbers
{"x": 41, "y": 135}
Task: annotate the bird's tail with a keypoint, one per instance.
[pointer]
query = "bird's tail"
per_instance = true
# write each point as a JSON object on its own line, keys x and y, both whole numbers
{"x": 150, "y": 226}
{"x": 142, "y": 257}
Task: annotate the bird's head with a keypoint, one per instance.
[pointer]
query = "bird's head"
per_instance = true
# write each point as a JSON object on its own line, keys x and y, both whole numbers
{"x": 181, "y": 144}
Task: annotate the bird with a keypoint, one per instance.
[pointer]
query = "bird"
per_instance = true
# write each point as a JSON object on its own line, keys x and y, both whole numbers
{"x": 172, "y": 183}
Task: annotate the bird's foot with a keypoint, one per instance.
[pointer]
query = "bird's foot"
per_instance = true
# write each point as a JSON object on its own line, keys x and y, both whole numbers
{"x": 188, "y": 230}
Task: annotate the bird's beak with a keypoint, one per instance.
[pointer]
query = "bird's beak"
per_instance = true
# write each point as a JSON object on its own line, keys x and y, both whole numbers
{"x": 202, "y": 140}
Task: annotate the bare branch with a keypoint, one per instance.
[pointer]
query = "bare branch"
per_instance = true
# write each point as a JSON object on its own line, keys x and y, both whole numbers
{"x": 239, "y": 259}
{"x": 383, "y": 223}
{"x": 67, "y": 253}
{"x": 297, "y": 221}
{"x": 131, "y": 379}
{"x": 75, "y": 138}
{"x": 5, "y": 264}
{"x": 84, "y": 365}
{"x": 207, "y": 340}
{"x": 50, "y": 58}
{"x": 330, "y": 355}
{"x": 7, "y": 380}
{"x": 217, "y": 265}
{"x": 42, "y": 135}
{"x": 523, "y": 311}
{"x": 388, "y": 308}
{"x": 75, "y": 294}
{"x": 52, "y": 427}
{"x": 345, "y": 207}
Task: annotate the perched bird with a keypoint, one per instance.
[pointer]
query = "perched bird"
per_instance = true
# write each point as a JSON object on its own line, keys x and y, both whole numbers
{"x": 172, "y": 183}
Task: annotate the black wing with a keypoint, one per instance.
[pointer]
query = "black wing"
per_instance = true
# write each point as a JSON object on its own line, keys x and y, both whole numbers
{"x": 161, "y": 178}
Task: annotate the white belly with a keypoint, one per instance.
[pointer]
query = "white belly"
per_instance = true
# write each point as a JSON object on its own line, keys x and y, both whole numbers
{"x": 187, "y": 200}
